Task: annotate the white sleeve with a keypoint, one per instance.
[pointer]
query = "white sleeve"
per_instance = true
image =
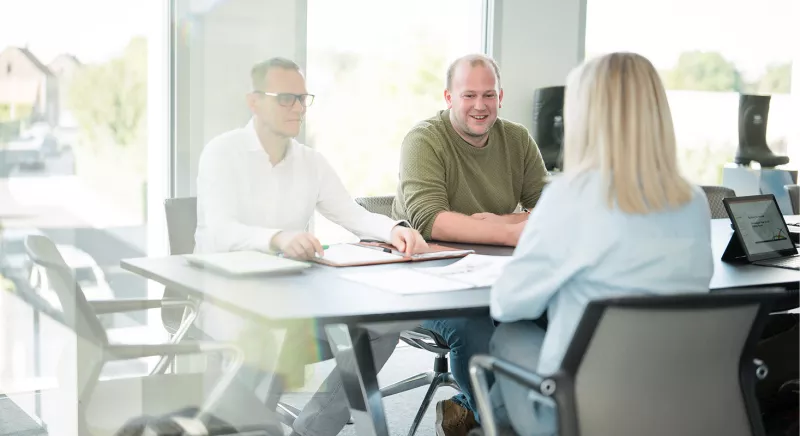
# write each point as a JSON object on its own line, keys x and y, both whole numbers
{"x": 219, "y": 204}
{"x": 335, "y": 204}
{"x": 540, "y": 265}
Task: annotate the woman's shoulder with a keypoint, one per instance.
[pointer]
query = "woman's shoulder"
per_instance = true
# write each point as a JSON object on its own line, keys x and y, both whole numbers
{"x": 571, "y": 185}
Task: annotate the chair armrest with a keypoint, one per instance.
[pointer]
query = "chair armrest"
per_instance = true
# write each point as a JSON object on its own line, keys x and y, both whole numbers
{"x": 102, "y": 307}
{"x": 513, "y": 371}
{"x": 136, "y": 351}
{"x": 480, "y": 364}
{"x": 422, "y": 341}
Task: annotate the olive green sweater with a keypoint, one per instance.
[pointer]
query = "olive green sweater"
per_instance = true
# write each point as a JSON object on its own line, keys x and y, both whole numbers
{"x": 439, "y": 171}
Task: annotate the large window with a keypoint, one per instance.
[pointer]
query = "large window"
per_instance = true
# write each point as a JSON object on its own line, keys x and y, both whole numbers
{"x": 708, "y": 51}
{"x": 73, "y": 162}
{"x": 376, "y": 73}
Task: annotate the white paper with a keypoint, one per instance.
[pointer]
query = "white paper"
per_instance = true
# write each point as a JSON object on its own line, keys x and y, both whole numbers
{"x": 476, "y": 269}
{"x": 348, "y": 253}
{"x": 406, "y": 281}
{"x": 473, "y": 271}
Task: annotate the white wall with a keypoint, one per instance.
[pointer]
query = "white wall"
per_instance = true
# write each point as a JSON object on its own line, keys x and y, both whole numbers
{"x": 536, "y": 43}
{"x": 216, "y": 45}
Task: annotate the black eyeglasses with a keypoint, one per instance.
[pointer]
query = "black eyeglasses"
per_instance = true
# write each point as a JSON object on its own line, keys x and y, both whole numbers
{"x": 287, "y": 100}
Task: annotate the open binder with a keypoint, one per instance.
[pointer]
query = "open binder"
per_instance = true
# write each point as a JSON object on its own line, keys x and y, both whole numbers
{"x": 377, "y": 253}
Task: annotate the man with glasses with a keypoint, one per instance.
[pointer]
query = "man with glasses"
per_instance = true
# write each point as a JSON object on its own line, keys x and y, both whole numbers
{"x": 257, "y": 189}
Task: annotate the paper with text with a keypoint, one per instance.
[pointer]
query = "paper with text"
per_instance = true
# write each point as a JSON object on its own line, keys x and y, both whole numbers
{"x": 476, "y": 269}
{"x": 473, "y": 271}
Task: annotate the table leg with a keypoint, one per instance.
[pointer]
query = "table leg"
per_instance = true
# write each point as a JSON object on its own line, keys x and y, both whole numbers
{"x": 360, "y": 382}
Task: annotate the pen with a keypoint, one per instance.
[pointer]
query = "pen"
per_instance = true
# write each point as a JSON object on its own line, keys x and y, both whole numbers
{"x": 374, "y": 247}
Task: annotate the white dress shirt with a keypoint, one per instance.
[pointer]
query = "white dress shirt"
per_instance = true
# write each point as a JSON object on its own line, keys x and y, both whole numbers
{"x": 243, "y": 200}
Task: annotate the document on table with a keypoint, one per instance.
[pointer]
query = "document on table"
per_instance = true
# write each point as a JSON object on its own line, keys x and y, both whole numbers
{"x": 473, "y": 271}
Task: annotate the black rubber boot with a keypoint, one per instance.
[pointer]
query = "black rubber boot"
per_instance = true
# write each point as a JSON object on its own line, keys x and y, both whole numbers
{"x": 548, "y": 125}
{"x": 753, "y": 113}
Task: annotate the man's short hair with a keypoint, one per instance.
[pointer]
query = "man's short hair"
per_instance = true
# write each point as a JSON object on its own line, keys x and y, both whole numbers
{"x": 474, "y": 60}
{"x": 258, "y": 74}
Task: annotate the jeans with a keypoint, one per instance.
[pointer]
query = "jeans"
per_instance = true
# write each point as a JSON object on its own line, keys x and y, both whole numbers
{"x": 520, "y": 343}
{"x": 465, "y": 337}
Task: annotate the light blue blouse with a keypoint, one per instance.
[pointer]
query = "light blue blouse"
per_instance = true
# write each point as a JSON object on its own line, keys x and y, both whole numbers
{"x": 575, "y": 249}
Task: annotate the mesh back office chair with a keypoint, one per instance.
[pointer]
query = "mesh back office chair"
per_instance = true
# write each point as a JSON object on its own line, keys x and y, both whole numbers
{"x": 687, "y": 368}
{"x": 715, "y": 194}
{"x": 418, "y": 338}
{"x": 104, "y": 406}
{"x": 794, "y": 197}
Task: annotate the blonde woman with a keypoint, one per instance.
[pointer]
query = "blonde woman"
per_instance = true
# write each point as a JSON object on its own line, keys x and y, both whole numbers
{"x": 620, "y": 220}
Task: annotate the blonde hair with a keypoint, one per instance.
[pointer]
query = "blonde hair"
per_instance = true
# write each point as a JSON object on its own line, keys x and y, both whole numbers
{"x": 617, "y": 120}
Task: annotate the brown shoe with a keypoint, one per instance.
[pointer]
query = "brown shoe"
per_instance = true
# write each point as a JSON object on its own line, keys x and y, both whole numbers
{"x": 452, "y": 419}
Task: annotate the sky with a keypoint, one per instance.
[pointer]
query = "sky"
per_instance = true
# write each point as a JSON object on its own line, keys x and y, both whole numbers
{"x": 93, "y": 30}
{"x": 751, "y": 33}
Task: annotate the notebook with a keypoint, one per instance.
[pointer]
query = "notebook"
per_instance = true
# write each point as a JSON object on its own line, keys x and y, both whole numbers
{"x": 376, "y": 253}
{"x": 240, "y": 263}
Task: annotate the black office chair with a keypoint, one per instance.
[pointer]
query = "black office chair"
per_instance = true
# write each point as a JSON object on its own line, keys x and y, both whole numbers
{"x": 794, "y": 197}
{"x": 105, "y": 406}
{"x": 715, "y": 194}
{"x": 419, "y": 337}
{"x": 651, "y": 365}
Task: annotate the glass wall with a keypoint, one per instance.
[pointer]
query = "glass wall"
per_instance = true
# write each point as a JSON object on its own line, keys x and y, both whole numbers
{"x": 376, "y": 74}
{"x": 708, "y": 52}
{"x": 73, "y": 167}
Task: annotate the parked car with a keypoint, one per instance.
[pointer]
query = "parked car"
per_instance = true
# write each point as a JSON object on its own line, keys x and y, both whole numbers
{"x": 29, "y": 151}
{"x": 31, "y": 148}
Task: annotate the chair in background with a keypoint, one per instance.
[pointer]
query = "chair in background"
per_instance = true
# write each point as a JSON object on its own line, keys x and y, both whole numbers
{"x": 104, "y": 406}
{"x": 379, "y": 204}
{"x": 181, "y": 216}
{"x": 794, "y": 197}
{"x": 715, "y": 194}
{"x": 420, "y": 338}
{"x": 635, "y": 367}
